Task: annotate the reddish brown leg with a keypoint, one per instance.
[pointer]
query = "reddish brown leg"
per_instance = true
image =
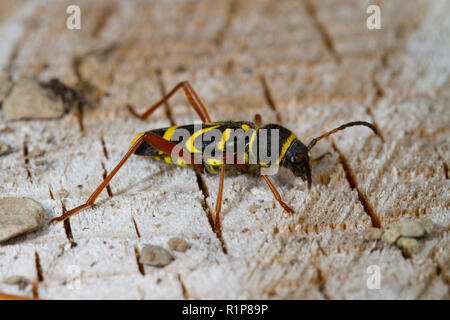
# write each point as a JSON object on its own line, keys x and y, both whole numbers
{"x": 191, "y": 95}
{"x": 258, "y": 120}
{"x": 321, "y": 157}
{"x": 217, "y": 224}
{"x": 276, "y": 194}
{"x": 96, "y": 193}
{"x": 4, "y": 296}
{"x": 153, "y": 139}
{"x": 167, "y": 146}
{"x": 231, "y": 161}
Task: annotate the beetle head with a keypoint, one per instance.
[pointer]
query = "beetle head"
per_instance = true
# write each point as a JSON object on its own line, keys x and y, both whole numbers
{"x": 297, "y": 156}
{"x": 297, "y": 160}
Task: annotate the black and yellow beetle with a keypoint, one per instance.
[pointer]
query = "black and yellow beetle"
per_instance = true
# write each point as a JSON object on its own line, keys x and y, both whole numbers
{"x": 164, "y": 144}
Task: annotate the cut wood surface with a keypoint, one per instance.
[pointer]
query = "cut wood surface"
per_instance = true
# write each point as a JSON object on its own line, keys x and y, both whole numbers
{"x": 309, "y": 65}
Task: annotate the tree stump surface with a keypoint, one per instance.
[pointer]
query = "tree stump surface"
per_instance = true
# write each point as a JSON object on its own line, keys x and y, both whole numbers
{"x": 309, "y": 65}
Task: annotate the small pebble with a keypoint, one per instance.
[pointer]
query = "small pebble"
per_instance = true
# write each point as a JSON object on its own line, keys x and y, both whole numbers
{"x": 372, "y": 234}
{"x": 178, "y": 244}
{"x": 390, "y": 235}
{"x": 28, "y": 100}
{"x": 20, "y": 281}
{"x": 409, "y": 246}
{"x": 19, "y": 216}
{"x": 155, "y": 256}
{"x": 427, "y": 224}
{"x": 410, "y": 228}
{"x": 4, "y": 148}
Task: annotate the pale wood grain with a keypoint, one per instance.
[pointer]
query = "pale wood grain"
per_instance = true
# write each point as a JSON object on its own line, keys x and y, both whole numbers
{"x": 396, "y": 77}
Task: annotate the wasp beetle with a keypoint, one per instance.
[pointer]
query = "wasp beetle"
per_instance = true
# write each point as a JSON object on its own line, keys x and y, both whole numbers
{"x": 160, "y": 143}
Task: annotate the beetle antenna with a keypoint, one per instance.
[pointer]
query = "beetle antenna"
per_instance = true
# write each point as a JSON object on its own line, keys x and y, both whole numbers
{"x": 350, "y": 124}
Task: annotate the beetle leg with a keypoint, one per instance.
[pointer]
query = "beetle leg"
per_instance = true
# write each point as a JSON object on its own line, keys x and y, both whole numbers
{"x": 191, "y": 95}
{"x": 321, "y": 157}
{"x": 258, "y": 120}
{"x": 276, "y": 194}
{"x": 96, "y": 193}
{"x": 4, "y": 296}
{"x": 167, "y": 147}
{"x": 156, "y": 141}
{"x": 217, "y": 225}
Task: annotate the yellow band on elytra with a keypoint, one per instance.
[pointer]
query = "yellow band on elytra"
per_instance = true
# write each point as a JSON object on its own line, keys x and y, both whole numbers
{"x": 136, "y": 139}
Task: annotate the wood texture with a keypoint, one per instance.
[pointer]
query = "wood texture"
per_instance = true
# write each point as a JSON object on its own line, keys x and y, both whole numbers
{"x": 311, "y": 64}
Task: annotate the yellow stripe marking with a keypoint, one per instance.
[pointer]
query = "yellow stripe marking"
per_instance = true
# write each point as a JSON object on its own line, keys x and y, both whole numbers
{"x": 214, "y": 162}
{"x": 190, "y": 142}
{"x": 167, "y": 136}
{"x": 181, "y": 162}
{"x": 225, "y": 137}
{"x": 286, "y": 146}
{"x": 245, "y": 127}
{"x": 136, "y": 139}
{"x": 169, "y": 133}
{"x": 168, "y": 159}
{"x": 212, "y": 169}
{"x": 251, "y": 142}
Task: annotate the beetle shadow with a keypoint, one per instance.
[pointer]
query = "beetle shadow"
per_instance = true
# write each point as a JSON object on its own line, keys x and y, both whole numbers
{"x": 145, "y": 181}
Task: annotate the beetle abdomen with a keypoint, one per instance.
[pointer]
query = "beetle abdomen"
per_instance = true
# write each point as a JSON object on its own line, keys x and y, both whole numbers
{"x": 207, "y": 141}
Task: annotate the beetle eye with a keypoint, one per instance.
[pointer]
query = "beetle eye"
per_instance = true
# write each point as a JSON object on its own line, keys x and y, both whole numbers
{"x": 299, "y": 158}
